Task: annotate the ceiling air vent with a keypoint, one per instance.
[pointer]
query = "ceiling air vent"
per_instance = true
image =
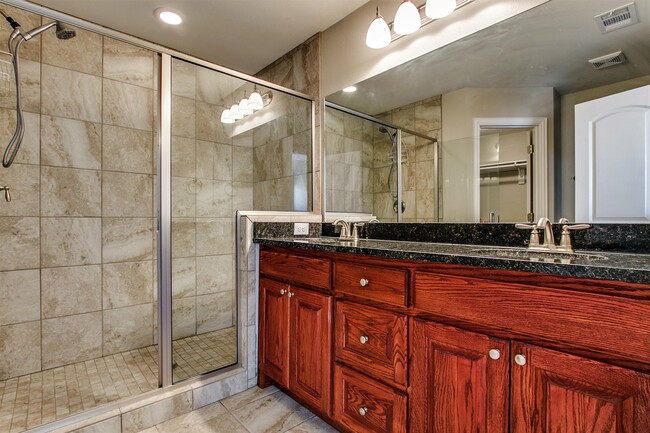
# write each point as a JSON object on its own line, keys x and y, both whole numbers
{"x": 617, "y": 18}
{"x": 608, "y": 60}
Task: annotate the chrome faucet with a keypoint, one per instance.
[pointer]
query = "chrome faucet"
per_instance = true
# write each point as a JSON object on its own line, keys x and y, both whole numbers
{"x": 549, "y": 240}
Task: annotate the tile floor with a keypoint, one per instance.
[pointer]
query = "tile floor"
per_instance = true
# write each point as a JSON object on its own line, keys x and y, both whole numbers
{"x": 39, "y": 398}
{"x": 253, "y": 411}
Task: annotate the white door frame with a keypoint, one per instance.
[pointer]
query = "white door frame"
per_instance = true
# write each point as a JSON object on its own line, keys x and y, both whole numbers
{"x": 540, "y": 158}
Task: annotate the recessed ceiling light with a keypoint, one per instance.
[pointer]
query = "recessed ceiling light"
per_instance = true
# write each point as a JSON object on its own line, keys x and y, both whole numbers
{"x": 169, "y": 16}
{"x": 350, "y": 89}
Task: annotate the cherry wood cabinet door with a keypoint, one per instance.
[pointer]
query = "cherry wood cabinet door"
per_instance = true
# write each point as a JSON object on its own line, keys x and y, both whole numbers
{"x": 274, "y": 331}
{"x": 556, "y": 392}
{"x": 311, "y": 347}
{"x": 459, "y": 380}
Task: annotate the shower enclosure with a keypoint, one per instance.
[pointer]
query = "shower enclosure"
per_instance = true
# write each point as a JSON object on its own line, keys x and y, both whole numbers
{"x": 118, "y": 270}
{"x": 374, "y": 168}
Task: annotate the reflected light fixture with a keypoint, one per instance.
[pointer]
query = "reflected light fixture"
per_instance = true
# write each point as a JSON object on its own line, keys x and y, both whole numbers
{"x": 439, "y": 8}
{"x": 407, "y": 18}
{"x": 168, "y": 16}
{"x": 225, "y": 117}
{"x": 378, "y": 35}
{"x": 244, "y": 108}
{"x": 350, "y": 89}
{"x": 234, "y": 112}
{"x": 255, "y": 101}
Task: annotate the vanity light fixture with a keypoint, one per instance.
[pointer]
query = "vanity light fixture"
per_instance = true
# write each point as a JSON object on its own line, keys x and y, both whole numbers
{"x": 378, "y": 35}
{"x": 246, "y": 106}
{"x": 407, "y": 19}
{"x": 350, "y": 89}
{"x": 255, "y": 101}
{"x": 225, "y": 116}
{"x": 234, "y": 112}
{"x": 168, "y": 16}
{"x": 436, "y": 9}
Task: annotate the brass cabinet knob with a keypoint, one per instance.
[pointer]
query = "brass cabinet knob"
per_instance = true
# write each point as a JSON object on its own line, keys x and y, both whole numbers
{"x": 364, "y": 339}
{"x": 494, "y": 354}
{"x": 364, "y": 282}
{"x": 520, "y": 359}
{"x": 282, "y": 292}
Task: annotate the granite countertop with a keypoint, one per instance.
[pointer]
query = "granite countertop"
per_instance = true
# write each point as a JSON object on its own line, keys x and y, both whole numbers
{"x": 629, "y": 267}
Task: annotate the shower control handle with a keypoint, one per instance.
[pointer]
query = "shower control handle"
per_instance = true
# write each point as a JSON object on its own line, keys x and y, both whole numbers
{"x": 7, "y": 191}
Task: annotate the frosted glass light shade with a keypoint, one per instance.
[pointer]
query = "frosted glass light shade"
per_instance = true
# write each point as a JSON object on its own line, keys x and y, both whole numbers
{"x": 225, "y": 117}
{"x": 439, "y": 8}
{"x": 244, "y": 109}
{"x": 378, "y": 35}
{"x": 407, "y": 19}
{"x": 255, "y": 101}
{"x": 234, "y": 112}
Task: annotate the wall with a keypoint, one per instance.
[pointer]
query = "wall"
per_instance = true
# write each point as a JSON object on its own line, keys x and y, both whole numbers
{"x": 77, "y": 241}
{"x": 459, "y": 108}
{"x": 566, "y": 170}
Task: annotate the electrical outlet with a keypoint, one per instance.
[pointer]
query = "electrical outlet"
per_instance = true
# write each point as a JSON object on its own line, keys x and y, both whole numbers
{"x": 301, "y": 228}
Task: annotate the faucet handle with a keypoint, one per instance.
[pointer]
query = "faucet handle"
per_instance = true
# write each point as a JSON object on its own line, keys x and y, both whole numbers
{"x": 565, "y": 240}
{"x": 534, "y": 233}
{"x": 7, "y": 191}
{"x": 355, "y": 230}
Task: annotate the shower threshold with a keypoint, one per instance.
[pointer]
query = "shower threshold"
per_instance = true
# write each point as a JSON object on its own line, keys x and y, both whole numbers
{"x": 46, "y": 396}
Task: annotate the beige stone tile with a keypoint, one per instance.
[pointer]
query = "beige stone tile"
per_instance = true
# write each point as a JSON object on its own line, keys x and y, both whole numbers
{"x": 211, "y": 87}
{"x": 314, "y": 425}
{"x": 70, "y": 143}
{"x": 214, "y": 236}
{"x": 428, "y": 114}
{"x": 215, "y": 311}
{"x": 19, "y": 243}
{"x": 71, "y": 290}
{"x": 147, "y": 416}
{"x": 214, "y": 160}
{"x": 128, "y": 328}
{"x": 21, "y": 349}
{"x": 70, "y": 192}
{"x": 184, "y": 193}
{"x": 85, "y": 330}
{"x": 127, "y": 239}
{"x": 20, "y": 294}
{"x": 183, "y": 237}
{"x": 242, "y": 164}
{"x": 183, "y": 79}
{"x": 70, "y": 241}
{"x": 111, "y": 425}
{"x": 183, "y": 277}
{"x": 215, "y": 391}
{"x": 24, "y": 182}
{"x": 183, "y": 317}
{"x": 70, "y": 94}
{"x": 246, "y": 397}
{"x": 242, "y": 196}
{"x": 214, "y": 199}
{"x": 208, "y": 125}
{"x": 30, "y": 88}
{"x": 126, "y": 284}
{"x": 29, "y": 152}
{"x": 83, "y": 53}
{"x": 214, "y": 274}
{"x": 205, "y": 420}
{"x": 128, "y": 150}
{"x": 128, "y": 63}
{"x": 184, "y": 157}
{"x": 183, "y": 117}
{"x": 272, "y": 414}
{"x": 127, "y": 105}
{"x": 27, "y": 20}
{"x": 127, "y": 195}
{"x": 244, "y": 139}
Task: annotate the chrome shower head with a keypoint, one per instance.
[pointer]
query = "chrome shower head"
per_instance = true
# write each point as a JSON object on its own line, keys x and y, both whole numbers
{"x": 64, "y": 32}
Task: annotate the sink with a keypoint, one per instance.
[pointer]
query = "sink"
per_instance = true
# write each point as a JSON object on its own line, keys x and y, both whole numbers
{"x": 538, "y": 256}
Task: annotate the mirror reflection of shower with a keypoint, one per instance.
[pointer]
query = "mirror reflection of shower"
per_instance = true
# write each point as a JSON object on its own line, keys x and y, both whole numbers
{"x": 16, "y": 39}
{"x": 393, "y": 158}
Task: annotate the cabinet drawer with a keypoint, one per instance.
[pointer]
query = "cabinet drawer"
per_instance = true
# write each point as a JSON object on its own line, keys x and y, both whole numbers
{"x": 373, "y": 341}
{"x": 372, "y": 282}
{"x": 364, "y": 405}
{"x": 301, "y": 270}
{"x": 590, "y": 321}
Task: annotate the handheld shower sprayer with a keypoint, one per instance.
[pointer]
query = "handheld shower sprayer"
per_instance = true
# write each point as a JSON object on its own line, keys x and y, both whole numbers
{"x": 16, "y": 39}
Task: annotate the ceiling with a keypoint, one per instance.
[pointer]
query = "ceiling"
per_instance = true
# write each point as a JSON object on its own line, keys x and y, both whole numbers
{"x": 244, "y": 35}
{"x": 547, "y": 46}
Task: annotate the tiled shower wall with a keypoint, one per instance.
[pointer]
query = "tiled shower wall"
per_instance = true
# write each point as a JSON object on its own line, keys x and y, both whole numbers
{"x": 418, "y": 176}
{"x": 77, "y": 241}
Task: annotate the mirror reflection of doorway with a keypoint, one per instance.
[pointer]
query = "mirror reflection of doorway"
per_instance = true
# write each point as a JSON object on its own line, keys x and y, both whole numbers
{"x": 505, "y": 166}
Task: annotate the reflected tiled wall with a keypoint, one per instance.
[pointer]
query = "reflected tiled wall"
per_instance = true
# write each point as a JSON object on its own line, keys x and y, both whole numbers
{"x": 77, "y": 269}
{"x": 211, "y": 179}
{"x": 419, "y": 183}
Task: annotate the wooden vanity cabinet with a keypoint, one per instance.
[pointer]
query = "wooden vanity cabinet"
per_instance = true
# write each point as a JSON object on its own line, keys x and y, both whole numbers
{"x": 295, "y": 334}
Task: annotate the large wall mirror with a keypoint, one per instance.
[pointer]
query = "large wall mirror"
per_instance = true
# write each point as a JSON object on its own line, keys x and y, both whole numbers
{"x": 520, "y": 79}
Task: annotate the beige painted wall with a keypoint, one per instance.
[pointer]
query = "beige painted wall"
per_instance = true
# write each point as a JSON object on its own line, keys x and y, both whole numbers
{"x": 566, "y": 169}
{"x": 459, "y": 109}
